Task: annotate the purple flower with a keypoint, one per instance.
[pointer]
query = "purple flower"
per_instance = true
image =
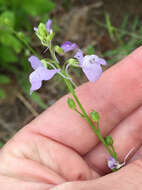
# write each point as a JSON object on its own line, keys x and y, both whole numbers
{"x": 39, "y": 74}
{"x": 35, "y": 29}
{"x": 91, "y": 65}
{"x": 68, "y": 46}
{"x": 112, "y": 163}
{"x": 48, "y": 25}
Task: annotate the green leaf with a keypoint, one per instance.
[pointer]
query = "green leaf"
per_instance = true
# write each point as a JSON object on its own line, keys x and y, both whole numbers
{"x": 10, "y": 41}
{"x": 135, "y": 24}
{"x": 125, "y": 22}
{"x": 4, "y": 2}
{"x": 7, "y": 19}
{"x": 4, "y": 79}
{"x": 2, "y": 94}
{"x": 7, "y": 55}
{"x": 25, "y": 65}
{"x": 123, "y": 25}
{"x": 109, "y": 26}
{"x": 36, "y": 7}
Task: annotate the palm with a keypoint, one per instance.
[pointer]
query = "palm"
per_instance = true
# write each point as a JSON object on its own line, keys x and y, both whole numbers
{"x": 59, "y": 146}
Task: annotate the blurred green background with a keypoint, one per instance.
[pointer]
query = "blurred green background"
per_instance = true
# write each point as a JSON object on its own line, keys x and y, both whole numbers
{"x": 111, "y": 29}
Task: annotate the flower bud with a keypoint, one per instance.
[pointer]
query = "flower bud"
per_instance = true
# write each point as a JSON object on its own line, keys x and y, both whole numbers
{"x": 20, "y": 35}
{"x": 59, "y": 50}
{"x": 109, "y": 140}
{"x": 95, "y": 116}
{"x": 42, "y": 31}
{"x": 50, "y": 37}
{"x": 41, "y": 28}
{"x": 71, "y": 103}
{"x": 72, "y": 62}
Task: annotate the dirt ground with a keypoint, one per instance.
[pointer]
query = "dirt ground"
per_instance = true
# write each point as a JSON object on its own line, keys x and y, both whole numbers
{"x": 77, "y": 23}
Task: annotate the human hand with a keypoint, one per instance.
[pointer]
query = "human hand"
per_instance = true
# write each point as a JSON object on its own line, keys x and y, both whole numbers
{"x": 59, "y": 151}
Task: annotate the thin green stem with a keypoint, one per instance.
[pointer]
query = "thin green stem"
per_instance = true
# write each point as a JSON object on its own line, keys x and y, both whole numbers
{"x": 98, "y": 126}
{"x": 79, "y": 112}
{"x": 25, "y": 43}
{"x": 53, "y": 56}
{"x": 114, "y": 152}
{"x": 69, "y": 85}
{"x": 84, "y": 114}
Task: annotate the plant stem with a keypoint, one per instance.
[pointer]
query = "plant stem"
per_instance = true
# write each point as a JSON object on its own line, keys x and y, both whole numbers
{"x": 114, "y": 152}
{"x": 79, "y": 113}
{"x": 71, "y": 89}
{"x": 25, "y": 43}
{"x": 53, "y": 56}
{"x": 84, "y": 114}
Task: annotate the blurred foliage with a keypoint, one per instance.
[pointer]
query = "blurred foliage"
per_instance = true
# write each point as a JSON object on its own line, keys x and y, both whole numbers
{"x": 18, "y": 16}
{"x": 15, "y": 18}
{"x": 90, "y": 50}
{"x": 67, "y": 4}
{"x": 126, "y": 38}
{"x": 1, "y": 144}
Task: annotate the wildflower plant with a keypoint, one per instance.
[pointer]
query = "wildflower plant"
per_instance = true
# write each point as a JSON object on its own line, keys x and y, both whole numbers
{"x": 91, "y": 65}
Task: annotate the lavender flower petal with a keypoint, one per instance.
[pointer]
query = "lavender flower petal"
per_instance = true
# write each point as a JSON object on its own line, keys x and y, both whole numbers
{"x": 35, "y": 29}
{"x": 92, "y": 72}
{"x": 35, "y": 62}
{"x": 91, "y": 69}
{"x": 91, "y": 65}
{"x": 101, "y": 61}
{"x": 112, "y": 163}
{"x": 40, "y": 74}
{"x": 68, "y": 46}
{"x": 79, "y": 56}
{"x": 35, "y": 86}
{"x": 48, "y": 25}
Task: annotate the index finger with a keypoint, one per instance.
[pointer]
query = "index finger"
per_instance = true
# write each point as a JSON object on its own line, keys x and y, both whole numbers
{"x": 115, "y": 95}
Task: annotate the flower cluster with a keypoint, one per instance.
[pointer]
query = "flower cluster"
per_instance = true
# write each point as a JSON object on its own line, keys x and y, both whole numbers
{"x": 90, "y": 64}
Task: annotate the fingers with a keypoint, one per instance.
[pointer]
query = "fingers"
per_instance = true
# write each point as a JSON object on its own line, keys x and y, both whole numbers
{"x": 8, "y": 183}
{"x": 54, "y": 162}
{"x": 127, "y": 178}
{"x": 115, "y": 95}
{"x": 127, "y": 135}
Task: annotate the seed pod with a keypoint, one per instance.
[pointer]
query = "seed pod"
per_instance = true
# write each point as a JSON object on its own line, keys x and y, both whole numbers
{"x": 95, "y": 116}
{"x": 109, "y": 140}
{"x": 71, "y": 103}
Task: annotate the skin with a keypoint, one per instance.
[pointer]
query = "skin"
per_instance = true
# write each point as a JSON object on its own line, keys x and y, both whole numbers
{"x": 59, "y": 151}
